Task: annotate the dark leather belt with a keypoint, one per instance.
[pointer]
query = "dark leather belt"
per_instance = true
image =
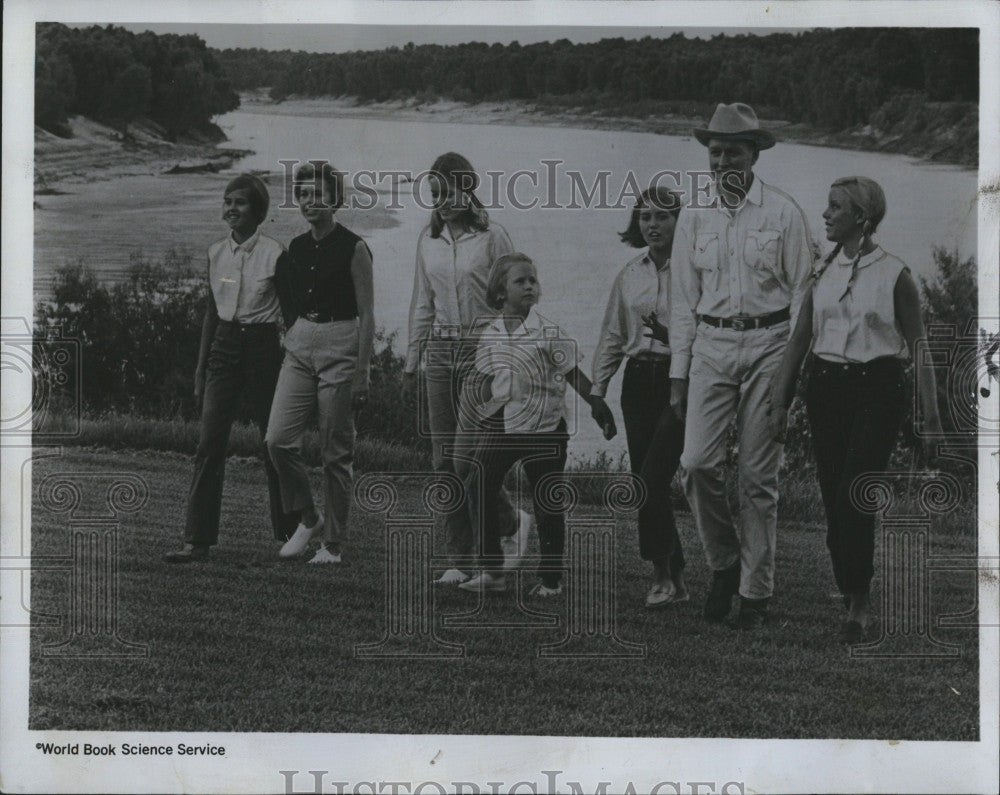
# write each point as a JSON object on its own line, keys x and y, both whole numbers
{"x": 318, "y": 317}
{"x": 883, "y": 364}
{"x": 747, "y": 322}
{"x": 235, "y": 324}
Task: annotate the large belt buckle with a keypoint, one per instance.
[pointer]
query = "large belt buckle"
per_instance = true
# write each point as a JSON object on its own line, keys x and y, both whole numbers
{"x": 739, "y": 323}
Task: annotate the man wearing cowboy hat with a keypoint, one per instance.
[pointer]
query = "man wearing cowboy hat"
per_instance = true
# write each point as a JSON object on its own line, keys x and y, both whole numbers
{"x": 741, "y": 260}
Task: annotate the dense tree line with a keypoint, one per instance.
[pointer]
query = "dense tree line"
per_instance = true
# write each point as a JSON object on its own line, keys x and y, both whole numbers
{"x": 834, "y": 79}
{"x": 116, "y": 76}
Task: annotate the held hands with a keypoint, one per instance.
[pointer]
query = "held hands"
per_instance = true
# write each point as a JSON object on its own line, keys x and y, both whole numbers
{"x": 657, "y": 330}
{"x": 602, "y": 415}
{"x": 359, "y": 397}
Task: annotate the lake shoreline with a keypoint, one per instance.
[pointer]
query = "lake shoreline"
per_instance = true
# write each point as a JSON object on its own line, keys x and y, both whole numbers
{"x": 924, "y": 149}
{"x": 99, "y": 153}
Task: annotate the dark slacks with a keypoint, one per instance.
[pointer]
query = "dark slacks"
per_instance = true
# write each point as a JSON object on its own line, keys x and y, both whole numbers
{"x": 655, "y": 441}
{"x": 243, "y": 362}
{"x": 540, "y": 454}
{"x": 854, "y": 414}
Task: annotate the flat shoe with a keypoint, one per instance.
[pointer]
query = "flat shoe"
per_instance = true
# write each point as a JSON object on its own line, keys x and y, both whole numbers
{"x": 324, "y": 555}
{"x": 452, "y": 577}
{"x": 297, "y": 544}
{"x": 852, "y": 632}
{"x": 659, "y": 595}
{"x": 485, "y": 582}
{"x": 190, "y": 554}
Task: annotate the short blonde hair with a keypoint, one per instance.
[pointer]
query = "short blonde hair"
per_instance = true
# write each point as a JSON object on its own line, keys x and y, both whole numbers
{"x": 496, "y": 287}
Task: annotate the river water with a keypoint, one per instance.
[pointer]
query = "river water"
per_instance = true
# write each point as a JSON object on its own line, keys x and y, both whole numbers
{"x": 577, "y": 250}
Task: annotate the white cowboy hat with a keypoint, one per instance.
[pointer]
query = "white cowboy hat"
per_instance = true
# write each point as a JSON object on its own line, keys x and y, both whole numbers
{"x": 736, "y": 121}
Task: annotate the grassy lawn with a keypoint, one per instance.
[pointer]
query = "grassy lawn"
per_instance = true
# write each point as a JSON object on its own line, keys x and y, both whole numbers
{"x": 250, "y": 643}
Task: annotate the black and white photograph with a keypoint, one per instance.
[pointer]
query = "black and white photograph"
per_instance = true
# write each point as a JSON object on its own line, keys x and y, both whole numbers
{"x": 500, "y": 397}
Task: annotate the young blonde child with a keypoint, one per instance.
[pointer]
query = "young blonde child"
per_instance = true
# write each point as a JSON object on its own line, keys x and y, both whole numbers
{"x": 522, "y": 364}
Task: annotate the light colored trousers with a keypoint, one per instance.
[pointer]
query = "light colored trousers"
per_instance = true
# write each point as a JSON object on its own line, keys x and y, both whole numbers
{"x": 730, "y": 376}
{"x": 453, "y": 425}
{"x": 317, "y": 371}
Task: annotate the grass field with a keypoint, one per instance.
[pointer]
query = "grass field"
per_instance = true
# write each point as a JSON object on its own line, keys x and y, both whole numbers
{"x": 249, "y": 643}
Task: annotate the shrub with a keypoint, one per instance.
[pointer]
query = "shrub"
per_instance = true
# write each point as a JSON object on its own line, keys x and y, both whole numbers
{"x": 139, "y": 343}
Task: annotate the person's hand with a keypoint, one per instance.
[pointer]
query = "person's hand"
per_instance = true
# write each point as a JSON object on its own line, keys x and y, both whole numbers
{"x": 409, "y": 387}
{"x": 679, "y": 397}
{"x": 657, "y": 330}
{"x": 359, "y": 398}
{"x": 777, "y": 414}
{"x": 602, "y": 415}
{"x": 777, "y": 421}
{"x": 199, "y": 386}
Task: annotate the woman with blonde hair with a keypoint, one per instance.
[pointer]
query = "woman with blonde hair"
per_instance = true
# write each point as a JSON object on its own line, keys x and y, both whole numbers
{"x": 862, "y": 319}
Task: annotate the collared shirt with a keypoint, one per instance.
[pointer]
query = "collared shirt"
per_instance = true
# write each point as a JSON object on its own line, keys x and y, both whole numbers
{"x": 854, "y": 321}
{"x": 241, "y": 276}
{"x": 751, "y": 261}
{"x": 640, "y": 288}
{"x": 529, "y": 368}
{"x": 449, "y": 286}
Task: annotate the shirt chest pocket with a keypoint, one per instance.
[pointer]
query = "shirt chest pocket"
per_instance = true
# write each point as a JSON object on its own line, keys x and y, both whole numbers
{"x": 706, "y": 251}
{"x": 762, "y": 250}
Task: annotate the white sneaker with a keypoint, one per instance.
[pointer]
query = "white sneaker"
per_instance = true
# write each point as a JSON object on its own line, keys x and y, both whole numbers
{"x": 515, "y": 547}
{"x": 324, "y": 555}
{"x": 485, "y": 582}
{"x": 544, "y": 592}
{"x": 297, "y": 544}
{"x": 452, "y": 577}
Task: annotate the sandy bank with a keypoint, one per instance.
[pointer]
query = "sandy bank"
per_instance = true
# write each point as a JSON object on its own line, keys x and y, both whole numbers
{"x": 97, "y": 152}
{"x": 944, "y": 141}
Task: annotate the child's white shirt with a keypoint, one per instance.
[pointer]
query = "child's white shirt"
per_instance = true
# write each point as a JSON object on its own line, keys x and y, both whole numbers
{"x": 529, "y": 367}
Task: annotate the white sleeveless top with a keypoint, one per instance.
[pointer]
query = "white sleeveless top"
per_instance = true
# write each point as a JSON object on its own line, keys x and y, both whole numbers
{"x": 856, "y": 322}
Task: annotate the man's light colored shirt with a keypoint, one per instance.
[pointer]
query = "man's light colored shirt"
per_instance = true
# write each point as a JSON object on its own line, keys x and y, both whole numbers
{"x": 638, "y": 290}
{"x": 751, "y": 261}
{"x": 529, "y": 367}
{"x": 449, "y": 286}
{"x": 241, "y": 276}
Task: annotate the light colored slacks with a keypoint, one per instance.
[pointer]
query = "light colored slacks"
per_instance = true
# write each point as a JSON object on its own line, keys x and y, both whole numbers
{"x": 730, "y": 376}
{"x": 317, "y": 371}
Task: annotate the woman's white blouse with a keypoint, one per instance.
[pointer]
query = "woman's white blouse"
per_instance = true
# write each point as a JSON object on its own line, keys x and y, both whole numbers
{"x": 855, "y": 321}
{"x": 449, "y": 286}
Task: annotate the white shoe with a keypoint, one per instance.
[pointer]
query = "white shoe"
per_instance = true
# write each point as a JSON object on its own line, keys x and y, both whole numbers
{"x": 485, "y": 582}
{"x": 543, "y": 591}
{"x": 515, "y": 547}
{"x": 324, "y": 555}
{"x": 297, "y": 544}
{"x": 452, "y": 577}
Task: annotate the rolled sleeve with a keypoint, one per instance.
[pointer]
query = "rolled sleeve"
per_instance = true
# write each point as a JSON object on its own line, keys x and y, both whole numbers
{"x": 611, "y": 345}
{"x": 421, "y": 312}
{"x": 798, "y": 259}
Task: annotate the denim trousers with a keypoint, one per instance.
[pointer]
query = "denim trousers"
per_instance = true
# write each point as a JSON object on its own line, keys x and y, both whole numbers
{"x": 454, "y": 430}
{"x": 317, "y": 374}
{"x": 541, "y": 455}
{"x": 242, "y": 362}
{"x": 655, "y": 440}
{"x": 855, "y": 412}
